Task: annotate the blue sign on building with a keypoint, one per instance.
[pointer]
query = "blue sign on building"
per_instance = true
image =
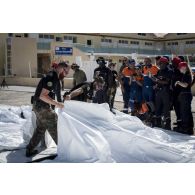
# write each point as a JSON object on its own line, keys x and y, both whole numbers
{"x": 63, "y": 50}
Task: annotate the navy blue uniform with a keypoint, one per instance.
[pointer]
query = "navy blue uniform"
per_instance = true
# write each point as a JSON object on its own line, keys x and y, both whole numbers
{"x": 163, "y": 98}
{"x": 185, "y": 100}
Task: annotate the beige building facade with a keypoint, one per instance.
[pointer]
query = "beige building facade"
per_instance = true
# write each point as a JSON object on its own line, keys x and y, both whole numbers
{"x": 31, "y": 54}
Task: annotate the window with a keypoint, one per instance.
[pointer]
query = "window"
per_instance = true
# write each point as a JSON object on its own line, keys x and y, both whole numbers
{"x": 135, "y": 42}
{"x": 18, "y": 36}
{"x": 10, "y": 34}
{"x": 123, "y": 42}
{"x": 148, "y": 43}
{"x": 190, "y": 42}
{"x": 106, "y": 40}
{"x": 26, "y": 35}
{"x": 46, "y": 36}
{"x": 8, "y": 52}
{"x": 70, "y": 38}
{"x": 142, "y": 34}
{"x": 74, "y": 39}
{"x": 172, "y": 43}
{"x": 89, "y": 42}
{"x": 181, "y": 33}
{"x": 58, "y": 39}
{"x": 67, "y": 38}
{"x": 40, "y": 36}
{"x": 51, "y": 36}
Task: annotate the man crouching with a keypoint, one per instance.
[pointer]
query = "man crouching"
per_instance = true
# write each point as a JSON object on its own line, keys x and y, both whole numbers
{"x": 88, "y": 92}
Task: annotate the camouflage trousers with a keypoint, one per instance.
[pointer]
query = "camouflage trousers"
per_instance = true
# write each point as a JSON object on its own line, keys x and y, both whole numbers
{"x": 111, "y": 95}
{"x": 46, "y": 119}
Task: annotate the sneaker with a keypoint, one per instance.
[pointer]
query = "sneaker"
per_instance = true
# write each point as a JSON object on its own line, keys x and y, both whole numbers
{"x": 30, "y": 153}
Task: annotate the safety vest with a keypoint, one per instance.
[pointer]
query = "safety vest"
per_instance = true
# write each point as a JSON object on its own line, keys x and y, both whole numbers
{"x": 153, "y": 70}
{"x": 128, "y": 72}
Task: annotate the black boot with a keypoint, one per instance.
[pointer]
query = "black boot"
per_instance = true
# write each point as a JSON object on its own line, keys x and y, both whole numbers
{"x": 30, "y": 152}
{"x": 157, "y": 122}
{"x": 167, "y": 124}
{"x": 184, "y": 130}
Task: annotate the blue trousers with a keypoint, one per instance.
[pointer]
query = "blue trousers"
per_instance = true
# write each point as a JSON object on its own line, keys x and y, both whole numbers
{"x": 126, "y": 96}
{"x": 148, "y": 94}
{"x": 135, "y": 96}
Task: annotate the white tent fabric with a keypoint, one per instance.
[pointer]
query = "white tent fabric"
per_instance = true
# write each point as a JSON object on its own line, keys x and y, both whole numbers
{"x": 12, "y": 127}
{"x": 89, "y": 132}
{"x": 16, "y": 132}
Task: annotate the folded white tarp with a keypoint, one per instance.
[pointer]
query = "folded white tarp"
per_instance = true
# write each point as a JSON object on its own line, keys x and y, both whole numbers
{"x": 91, "y": 133}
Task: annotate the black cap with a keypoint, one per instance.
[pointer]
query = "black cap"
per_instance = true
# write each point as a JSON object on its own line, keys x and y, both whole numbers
{"x": 101, "y": 59}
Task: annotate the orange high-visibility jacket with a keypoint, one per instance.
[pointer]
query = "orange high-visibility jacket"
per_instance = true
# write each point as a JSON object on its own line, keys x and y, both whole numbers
{"x": 153, "y": 69}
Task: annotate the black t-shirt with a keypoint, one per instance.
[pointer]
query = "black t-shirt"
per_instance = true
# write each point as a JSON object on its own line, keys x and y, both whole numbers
{"x": 50, "y": 82}
{"x": 164, "y": 75}
{"x": 177, "y": 75}
{"x": 106, "y": 73}
{"x": 185, "y": 78}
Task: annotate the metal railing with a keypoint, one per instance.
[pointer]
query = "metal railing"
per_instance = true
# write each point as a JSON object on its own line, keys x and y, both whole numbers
{"x": 121, "y": 50}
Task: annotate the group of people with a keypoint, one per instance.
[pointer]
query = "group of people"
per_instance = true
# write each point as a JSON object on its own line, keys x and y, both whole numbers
{"x": 159, "y": 89}
{"x": 145, "y": 87}
{"x": 48, "y": 96}
{"x": 101, "y": 90}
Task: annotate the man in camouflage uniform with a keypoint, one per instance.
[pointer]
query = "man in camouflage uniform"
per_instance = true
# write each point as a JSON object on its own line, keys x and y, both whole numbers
{"x": 79, "y": 76}
{"x": 42, "y": 101}
{"x": 115, "y": 83}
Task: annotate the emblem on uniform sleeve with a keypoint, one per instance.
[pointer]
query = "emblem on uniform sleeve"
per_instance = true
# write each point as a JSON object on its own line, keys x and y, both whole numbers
{"x": 49, "y": 84}
{"x": 88, "y": 88}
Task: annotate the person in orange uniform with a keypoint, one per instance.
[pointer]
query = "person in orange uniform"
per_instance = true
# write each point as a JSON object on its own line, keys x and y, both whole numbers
{"x": 136, "y": 82}
{"x": 127, "y": 73}
{"x": 149, "y": 71}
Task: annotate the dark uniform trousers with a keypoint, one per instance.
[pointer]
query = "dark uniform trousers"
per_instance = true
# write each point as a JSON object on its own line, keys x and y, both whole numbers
{"x": 185, "y": 100}
{"x": 112, "y": 96}
{"x": 162, "y": 102}
{"x": 46, "y": 120}
{"x": 176, "y": 106}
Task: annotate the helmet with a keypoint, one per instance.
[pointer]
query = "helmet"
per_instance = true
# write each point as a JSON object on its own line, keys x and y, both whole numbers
{"x": 182, "y": 64}
{"x": 164, "y": 60}
{"x": 132, "y": 61}
{"x": 176, "y": 61}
